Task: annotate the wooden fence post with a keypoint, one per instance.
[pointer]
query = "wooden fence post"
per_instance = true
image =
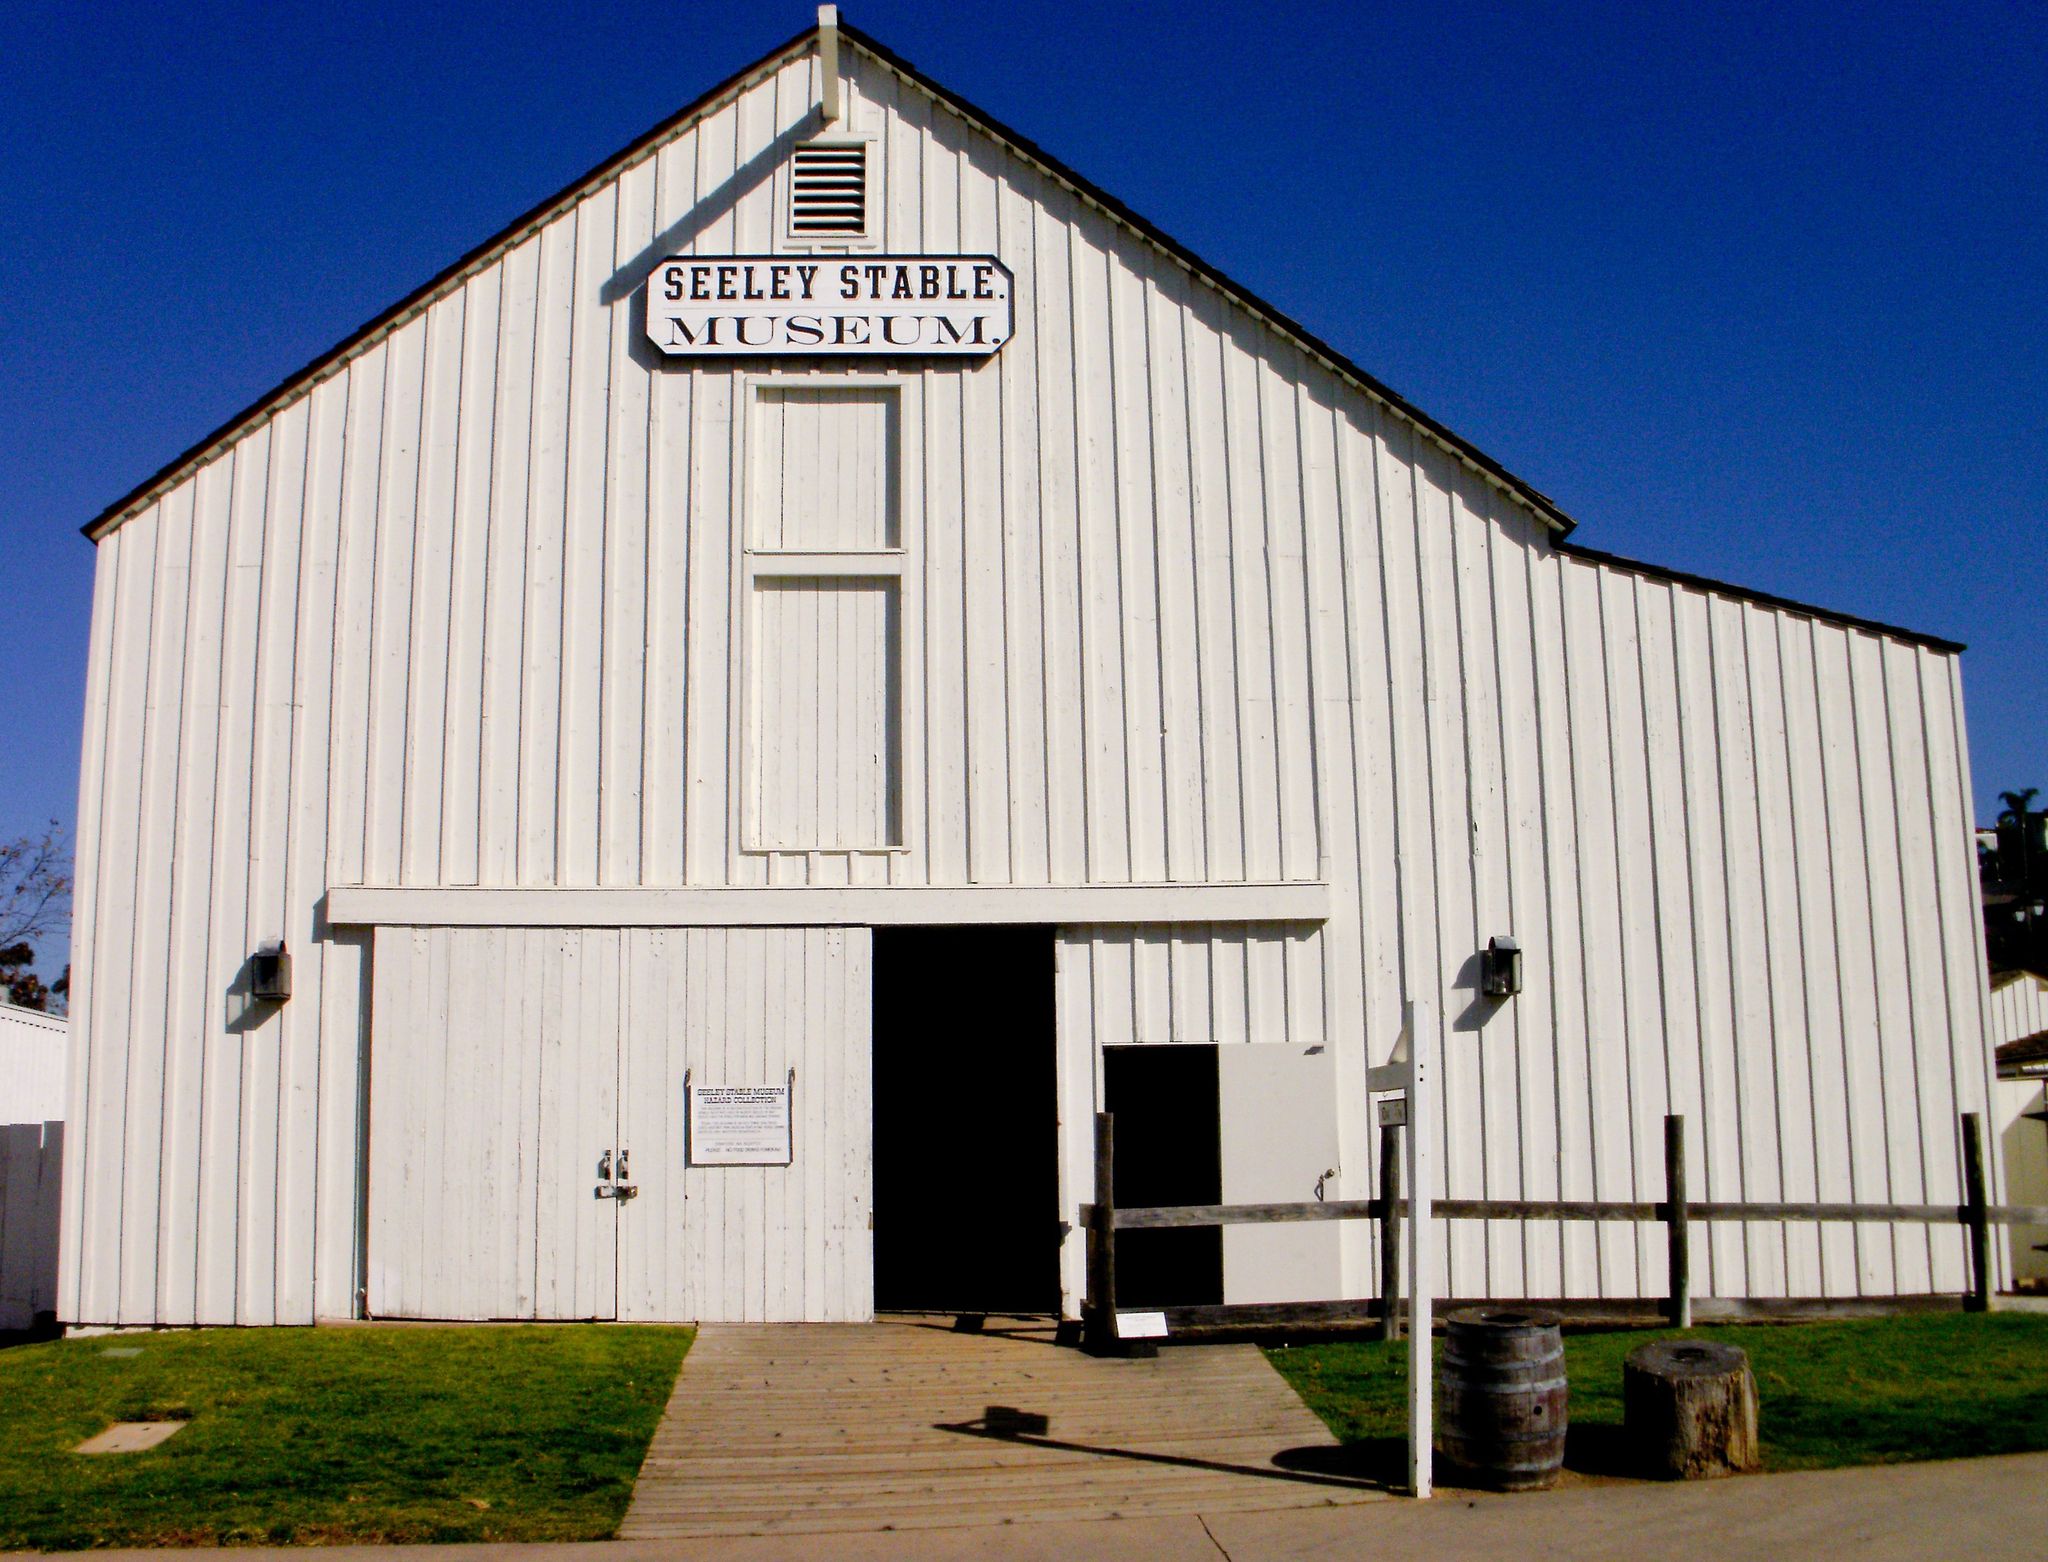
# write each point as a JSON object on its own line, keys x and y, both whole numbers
{"x": 1677, "y": 1221}
{"x": 1975, "y": 1215}
{"x": 1390, "y": 1234}
{"x": 1099, "y": 1313}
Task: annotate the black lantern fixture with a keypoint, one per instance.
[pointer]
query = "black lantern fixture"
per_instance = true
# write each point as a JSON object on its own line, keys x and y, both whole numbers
{"x": 270, "y": 972}
{"x": 1500, "y": 968}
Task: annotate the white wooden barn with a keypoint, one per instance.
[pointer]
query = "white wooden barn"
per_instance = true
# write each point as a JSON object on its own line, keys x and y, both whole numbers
{"x": 34, "y": 1065}
{"x": 959, "y": 665}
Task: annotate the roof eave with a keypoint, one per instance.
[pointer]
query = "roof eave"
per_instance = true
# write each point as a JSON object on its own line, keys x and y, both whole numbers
{"x": 282, "y": 395}
{"x": 1545, "y": 508}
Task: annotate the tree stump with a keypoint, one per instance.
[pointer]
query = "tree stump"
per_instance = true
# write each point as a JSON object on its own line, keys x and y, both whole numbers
{"x": 1690, "y": 1409}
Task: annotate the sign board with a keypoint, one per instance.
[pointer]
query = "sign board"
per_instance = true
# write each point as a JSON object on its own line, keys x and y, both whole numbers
{"x": 740, "y": 1125}
{"x": 810, "y": 306}
{"x": 1141, "y": 1326}
{"x": 1393, "y": 1112}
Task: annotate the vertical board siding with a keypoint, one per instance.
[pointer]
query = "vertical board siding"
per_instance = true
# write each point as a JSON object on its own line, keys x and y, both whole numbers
{"x": 1176, "y": 605}
{"x": 2018, "y": 1007}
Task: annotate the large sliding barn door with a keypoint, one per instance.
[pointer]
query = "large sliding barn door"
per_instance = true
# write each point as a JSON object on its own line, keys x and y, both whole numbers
{"x": 494, "y": 1105}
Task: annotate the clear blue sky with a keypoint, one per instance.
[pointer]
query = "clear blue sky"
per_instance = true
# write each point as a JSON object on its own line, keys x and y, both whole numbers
{"x": 1757, "y": 291}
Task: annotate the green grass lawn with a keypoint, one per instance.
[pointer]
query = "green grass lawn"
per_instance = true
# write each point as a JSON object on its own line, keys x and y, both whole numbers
{"x": 308, "y": 1435}
{"x": 1873, "y": 1391}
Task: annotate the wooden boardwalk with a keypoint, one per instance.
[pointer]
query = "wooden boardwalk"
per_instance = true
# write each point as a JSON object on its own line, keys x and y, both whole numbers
{"x": 910, "y": 1424}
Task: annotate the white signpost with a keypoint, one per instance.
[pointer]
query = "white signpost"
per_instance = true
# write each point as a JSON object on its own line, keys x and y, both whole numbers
{"x": 1411, "y": 1072}
{"x": 740, "y": 1125}
{"x": 808, "y": 306}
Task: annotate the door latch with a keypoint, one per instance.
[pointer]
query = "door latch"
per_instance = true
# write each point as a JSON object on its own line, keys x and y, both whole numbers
{"x": 611, "y": 1185}
{"x": 622, "y": 1189}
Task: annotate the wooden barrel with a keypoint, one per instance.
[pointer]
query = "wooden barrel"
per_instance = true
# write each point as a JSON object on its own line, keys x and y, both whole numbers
{"x": 1501, "y": 1397}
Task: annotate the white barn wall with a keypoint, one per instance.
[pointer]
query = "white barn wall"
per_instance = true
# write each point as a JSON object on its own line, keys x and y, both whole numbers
{"x": 1179, "y": 606}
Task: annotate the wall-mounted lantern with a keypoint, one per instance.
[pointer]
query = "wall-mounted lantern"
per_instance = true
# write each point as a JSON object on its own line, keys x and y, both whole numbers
{"x": 1500, "y": 968}
{"x": 270, "y": 972}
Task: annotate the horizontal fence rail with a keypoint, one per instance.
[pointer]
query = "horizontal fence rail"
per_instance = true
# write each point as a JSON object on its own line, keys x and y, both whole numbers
{"x": 1102, "y": 1219}
{"x": 1179, "y": 1215}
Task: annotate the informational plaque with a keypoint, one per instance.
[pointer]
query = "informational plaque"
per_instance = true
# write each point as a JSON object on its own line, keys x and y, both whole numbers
{"x": 784, "y": 306}
{"x": 740, "y": 1125}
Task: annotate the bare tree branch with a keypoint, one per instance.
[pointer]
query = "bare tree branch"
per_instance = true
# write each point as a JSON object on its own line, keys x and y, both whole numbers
{"x": 35, "y": 885}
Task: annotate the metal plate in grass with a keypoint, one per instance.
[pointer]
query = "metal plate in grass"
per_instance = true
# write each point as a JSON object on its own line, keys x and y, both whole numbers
{"x": 130, "y": 1437}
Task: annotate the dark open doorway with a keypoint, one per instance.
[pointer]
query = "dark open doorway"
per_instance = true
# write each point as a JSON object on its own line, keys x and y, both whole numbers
{"x": 1168, "y": 1151}
{"x": 966, "y": 1127}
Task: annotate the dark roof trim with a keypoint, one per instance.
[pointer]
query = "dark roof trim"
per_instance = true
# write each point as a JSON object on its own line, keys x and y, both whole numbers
{"x": 1530, "y": 495}
{"x": 1679, "y": 577}
{"x": 2027, "y": 1050}
{"x": 421, "y": 294}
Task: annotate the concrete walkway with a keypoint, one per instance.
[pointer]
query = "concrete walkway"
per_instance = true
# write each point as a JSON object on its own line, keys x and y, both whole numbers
{"x": 788, "y": 1429}
{"x": 1985, "y": 1509}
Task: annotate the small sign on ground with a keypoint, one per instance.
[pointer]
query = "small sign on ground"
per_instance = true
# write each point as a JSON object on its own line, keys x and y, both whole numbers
{"x": 1141, "y": 1326}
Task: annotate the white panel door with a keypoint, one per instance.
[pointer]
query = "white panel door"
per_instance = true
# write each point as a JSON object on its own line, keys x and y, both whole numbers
{"x": 1278, "y": 1122}
{"x": 494, "y": 1103}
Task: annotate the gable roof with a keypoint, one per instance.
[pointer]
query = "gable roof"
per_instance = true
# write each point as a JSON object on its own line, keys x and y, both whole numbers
{"x": 521, "y": 226}
{"x": 1093, "y": 195}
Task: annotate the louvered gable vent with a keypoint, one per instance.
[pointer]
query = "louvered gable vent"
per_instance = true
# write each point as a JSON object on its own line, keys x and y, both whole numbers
{"x": 829, "y": 191}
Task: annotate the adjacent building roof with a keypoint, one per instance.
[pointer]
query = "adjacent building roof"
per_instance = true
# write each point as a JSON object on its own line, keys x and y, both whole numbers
{"x": 2027, "y": 1056}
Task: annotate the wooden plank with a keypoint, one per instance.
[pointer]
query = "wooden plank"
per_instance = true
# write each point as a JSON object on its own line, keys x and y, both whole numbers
{"x": 1568, "y": 1061}
{"x": 1718, "y": 1144}
{"x": 1862, "y": 1173}
{"x": 298, "y": 1256}
{"x": 507, "y": 493}
{"x": 269, "y": 1036}
{"x": 1789, "y": 1086}
{"x": 865, "y": 906}
{"x": 432, "y": 586}
{"x": 1818, "y": 1040}
{"x": 163, "y": 991}
{"x": 98, "y": 1107}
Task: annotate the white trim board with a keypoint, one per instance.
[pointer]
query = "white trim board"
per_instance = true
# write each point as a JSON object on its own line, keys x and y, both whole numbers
{"x": 350, "y": 905}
